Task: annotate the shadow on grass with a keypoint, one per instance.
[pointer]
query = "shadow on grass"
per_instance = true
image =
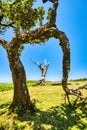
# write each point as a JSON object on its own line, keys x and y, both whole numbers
{"x": 3, "y": 109}
{"x": 4, "y": 105}
{"x": 62, "y": 117}
{"x": 59, "y": 84}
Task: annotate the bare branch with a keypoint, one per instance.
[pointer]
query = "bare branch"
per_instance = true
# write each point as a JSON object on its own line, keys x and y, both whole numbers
{"x": 80, "y": 87}
{"x": 43, "y": 69}
{"x": 76, "y": 92}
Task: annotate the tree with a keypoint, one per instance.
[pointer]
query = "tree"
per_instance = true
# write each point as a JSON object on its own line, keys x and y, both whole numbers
{"x": 21, "y": 16}
{"x": 43, "y": 69}
{"x": 14, "y": 15}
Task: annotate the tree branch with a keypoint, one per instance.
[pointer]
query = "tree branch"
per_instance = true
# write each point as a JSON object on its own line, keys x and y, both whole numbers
{"x": 8, "y": 25}
{"x": 4, "y": 43}
{"x": 80, "y": 87}
{"x": 76, "y": 92}
{"x": 39, "y": 35}
{"x": 14, "y": 3}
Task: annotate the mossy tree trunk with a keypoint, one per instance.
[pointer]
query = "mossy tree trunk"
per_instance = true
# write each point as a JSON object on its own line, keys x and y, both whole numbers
{"x": 21, "y": 95}
{"x": 64, "y": 43}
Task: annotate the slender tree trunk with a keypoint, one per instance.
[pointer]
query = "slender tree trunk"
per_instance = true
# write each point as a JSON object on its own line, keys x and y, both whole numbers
{"x": 21, "y": 95}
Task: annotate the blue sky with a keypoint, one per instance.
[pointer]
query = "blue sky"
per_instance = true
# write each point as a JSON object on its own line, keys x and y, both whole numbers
{"x": 72, "y": 19}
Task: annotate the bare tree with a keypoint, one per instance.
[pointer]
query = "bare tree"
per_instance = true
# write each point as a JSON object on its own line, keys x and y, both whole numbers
{"x": 43, "y": 69}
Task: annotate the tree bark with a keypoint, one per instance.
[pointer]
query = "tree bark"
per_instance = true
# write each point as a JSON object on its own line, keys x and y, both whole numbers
{"x": 21, "y": 95}
{"x": 64, "y": 43}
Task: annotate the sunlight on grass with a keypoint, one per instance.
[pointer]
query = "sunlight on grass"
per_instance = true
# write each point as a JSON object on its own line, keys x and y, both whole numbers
{"x": 51, "y": 111}
{"x": 6, "y": 96}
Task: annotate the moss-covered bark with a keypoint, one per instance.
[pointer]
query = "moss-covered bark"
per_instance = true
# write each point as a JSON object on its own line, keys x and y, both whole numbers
{"x": 21, "y": 95}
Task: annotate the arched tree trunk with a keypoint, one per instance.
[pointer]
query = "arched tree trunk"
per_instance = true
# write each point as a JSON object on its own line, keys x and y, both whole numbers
{"x": 64, "y": 43}
{"x": 21, "y": 95}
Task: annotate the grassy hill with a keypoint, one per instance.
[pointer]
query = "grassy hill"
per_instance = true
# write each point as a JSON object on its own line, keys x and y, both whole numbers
{"x": 52, "y": 113}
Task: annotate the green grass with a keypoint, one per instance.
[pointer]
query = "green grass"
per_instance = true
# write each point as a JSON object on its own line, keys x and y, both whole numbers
{"x": 5, "y": 86}
{"x": 52, "y": 113}
{"x": 9, "y": 86}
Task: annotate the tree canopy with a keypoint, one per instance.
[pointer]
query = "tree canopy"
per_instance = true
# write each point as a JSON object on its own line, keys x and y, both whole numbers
{"x": 21, "y": 15}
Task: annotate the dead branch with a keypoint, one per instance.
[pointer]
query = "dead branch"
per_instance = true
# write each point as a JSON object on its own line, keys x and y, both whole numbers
{"x": 43, "y": 69}
{"x": 76, "y": 92}
{"x": 80, "y": 87}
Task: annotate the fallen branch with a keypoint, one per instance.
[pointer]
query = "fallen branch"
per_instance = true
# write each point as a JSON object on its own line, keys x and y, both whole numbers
{"x": 80, "y": 87}
{"x": 76, "y": 92}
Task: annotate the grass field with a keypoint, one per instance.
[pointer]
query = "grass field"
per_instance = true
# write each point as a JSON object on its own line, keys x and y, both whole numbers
{"x": 52, "y": 113}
